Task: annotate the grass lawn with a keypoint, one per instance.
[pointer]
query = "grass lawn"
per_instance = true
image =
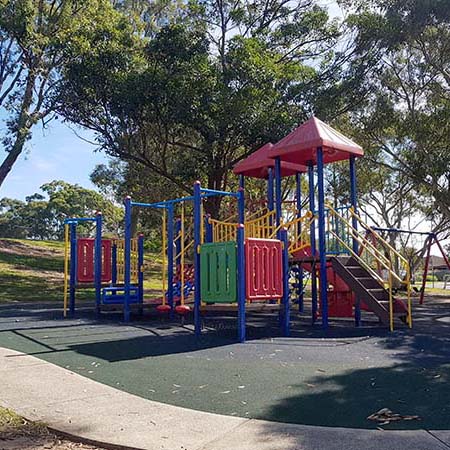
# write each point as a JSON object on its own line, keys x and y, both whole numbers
{"x": 33, "y": 271}
{"x": 19, "y": 433}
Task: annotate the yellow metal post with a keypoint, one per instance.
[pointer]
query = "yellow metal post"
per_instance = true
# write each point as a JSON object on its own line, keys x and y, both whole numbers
{"x": 66, "y": 266}
{"x": 391, "y": 303}
{"x": 202, "y": 225}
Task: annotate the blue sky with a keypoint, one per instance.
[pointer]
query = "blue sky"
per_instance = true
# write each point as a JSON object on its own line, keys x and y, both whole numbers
{"x": 55, "y": 153}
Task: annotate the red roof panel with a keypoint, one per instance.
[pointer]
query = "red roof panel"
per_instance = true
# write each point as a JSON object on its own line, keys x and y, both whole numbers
{"x": 258, "y": 163}
{"x": 301, "y": 144}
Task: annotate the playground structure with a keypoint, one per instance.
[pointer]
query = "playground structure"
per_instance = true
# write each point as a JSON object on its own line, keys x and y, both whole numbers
{"x": 248, "y": 262}
{"x": 99, "y": 263}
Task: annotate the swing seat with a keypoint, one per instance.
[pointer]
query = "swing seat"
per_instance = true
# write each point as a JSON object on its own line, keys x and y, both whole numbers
{"x": 182, "y": 310}
{"x": 163, "y": 309}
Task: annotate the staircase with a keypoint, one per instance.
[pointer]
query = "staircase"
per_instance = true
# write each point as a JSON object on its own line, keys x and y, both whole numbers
{"x": 370, "y": 272}
{"x": 375, "y": 296}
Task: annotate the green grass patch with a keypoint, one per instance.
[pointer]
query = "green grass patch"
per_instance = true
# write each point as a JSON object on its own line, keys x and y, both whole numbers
{"x": 33, "y": 271}
{"x": 17, "y": 286}
{"x": 50, "y": 263}
{"x": 11, "y": 423}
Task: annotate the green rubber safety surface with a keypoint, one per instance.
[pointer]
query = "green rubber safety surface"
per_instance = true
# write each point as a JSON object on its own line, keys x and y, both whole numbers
{"x": 333, "y": 380}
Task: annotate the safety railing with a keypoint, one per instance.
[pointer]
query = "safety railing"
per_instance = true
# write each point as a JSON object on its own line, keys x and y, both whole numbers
{"x": 262, "y": 227}
{"x": 298, "y": 231}
{"x": 370, "y": 255}
{"x": 333, "y": 246}
{"x": 223, "y": 231}
{"x": 259, "y": 227}
{"x": 119, "y": 245}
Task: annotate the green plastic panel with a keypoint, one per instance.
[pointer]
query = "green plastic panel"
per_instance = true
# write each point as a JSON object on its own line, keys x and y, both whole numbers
{"x": 218, "y": 277}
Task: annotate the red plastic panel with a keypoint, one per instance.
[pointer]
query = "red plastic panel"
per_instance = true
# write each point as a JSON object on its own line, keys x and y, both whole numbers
{"x": 85, "y": 260}
{"x": 106, "y": 260}
{"x": 264, "y": 269}
{"x": 340, "y": 296}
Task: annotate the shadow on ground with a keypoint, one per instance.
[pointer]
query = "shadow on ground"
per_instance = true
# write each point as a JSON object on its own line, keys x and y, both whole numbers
{"x": 315, "y": 378}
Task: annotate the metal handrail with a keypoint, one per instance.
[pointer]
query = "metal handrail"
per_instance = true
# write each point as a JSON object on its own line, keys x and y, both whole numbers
{"x": 407, "y": 268}
{"x": 379, "y": 257}
{"x": 223, "y": 231}
{"x": 379, "y": 238}
{"x": 301, "y": 234}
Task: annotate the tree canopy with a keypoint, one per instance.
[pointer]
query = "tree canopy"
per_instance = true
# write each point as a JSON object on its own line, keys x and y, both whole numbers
{"x": 217, "y": 81}
{"x": 38, "y": 38}
{"x": 41, "y": 216}
{"x": 178, "y": 91}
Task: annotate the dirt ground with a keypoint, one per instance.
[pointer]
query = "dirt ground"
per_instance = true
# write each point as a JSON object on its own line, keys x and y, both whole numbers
{"x": 17, "y": 433}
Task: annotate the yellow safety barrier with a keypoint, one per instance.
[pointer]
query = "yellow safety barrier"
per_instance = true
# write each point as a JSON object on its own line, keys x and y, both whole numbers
{"x": 298, "y": 232}
{"x": 369, "y": 253}
{"x": 223, "y": 231}
{"x": 262, "y": 227}
{"x": 120, "y": 258}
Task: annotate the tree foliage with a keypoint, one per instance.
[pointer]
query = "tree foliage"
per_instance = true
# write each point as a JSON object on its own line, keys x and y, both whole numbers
{"x": 42, "y": 216}
{"x": 214, "y": 83}
{"x": 405, "y": 121}
{"x": 38, "y": 38}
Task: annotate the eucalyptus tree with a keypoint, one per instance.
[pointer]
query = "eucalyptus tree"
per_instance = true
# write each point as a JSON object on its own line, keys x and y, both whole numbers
{"x": 38, "y": 38}
{"x": 213, "y": 82}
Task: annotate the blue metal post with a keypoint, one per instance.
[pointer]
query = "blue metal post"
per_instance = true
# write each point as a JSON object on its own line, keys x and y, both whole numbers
{"x": 298, "y": 199}
{"x": 197, "y": 240}
{"x": 312, "y": 233}
{"x": 127, "y": 260}
{"x": 140, "y": 269}
{"x": 278, "y": 199}
{"x": 322, "y": 242}
{"x": 353, "y": 200}
{"x": 170, "y": 277}
{"x": 270, "y": 202}
{"x": 73, "y": 267}
{"x": 242, "y": 181}
{"x": 208, "y": 229}
{"x": 286, "y": 315}
{"x": 98, "y": 262}
{"x": 241, "y": 281}
{"x": 241, "y": 205}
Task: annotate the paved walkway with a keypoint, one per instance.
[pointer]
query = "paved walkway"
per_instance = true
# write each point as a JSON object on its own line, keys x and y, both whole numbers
{"x": 73, "y": 404}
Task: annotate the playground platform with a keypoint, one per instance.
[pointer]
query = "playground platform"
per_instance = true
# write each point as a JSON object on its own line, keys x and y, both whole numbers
{"x": 154, "y": 385}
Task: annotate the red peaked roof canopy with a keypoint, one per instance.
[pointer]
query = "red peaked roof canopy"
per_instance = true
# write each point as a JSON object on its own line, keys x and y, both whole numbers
{"x": 258, "y": 163}
{"x": 300, "y": 146}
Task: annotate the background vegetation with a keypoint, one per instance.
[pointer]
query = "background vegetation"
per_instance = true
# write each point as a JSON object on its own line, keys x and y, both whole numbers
{"x": 178, "y": 91}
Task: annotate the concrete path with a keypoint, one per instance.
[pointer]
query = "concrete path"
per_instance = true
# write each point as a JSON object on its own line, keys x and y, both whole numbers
{"x": 72, "y": 404}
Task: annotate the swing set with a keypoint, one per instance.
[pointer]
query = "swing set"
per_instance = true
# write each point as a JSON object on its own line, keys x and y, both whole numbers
{"x": 430, "y": 240}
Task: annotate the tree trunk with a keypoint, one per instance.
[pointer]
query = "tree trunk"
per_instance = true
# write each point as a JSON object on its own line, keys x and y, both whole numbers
{"x": 134, "y": 221}
{"x": 212, "y": 204}
{"x": 23, "y": 129}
